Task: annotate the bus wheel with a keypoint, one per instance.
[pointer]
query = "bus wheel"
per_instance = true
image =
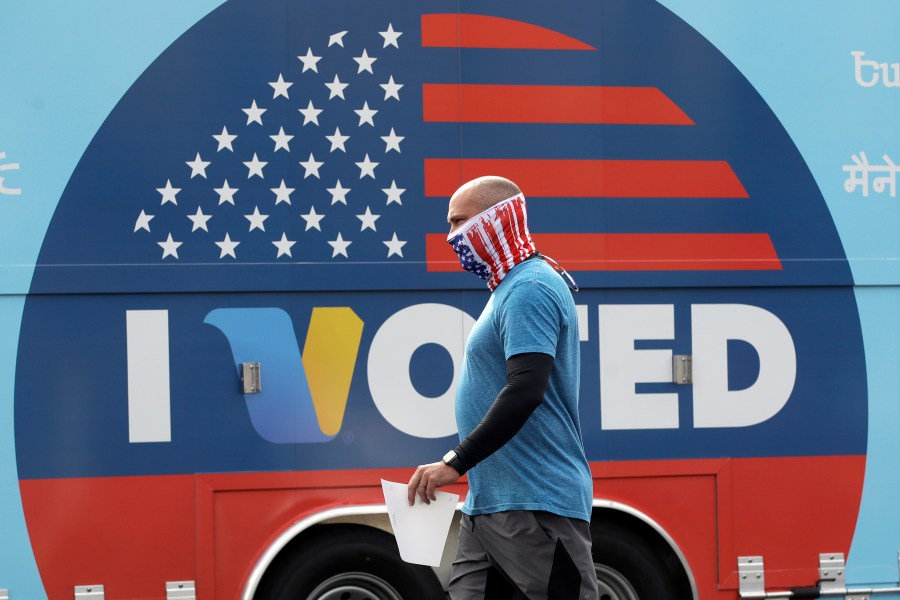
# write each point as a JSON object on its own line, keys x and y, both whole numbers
{"x": 631, "y": 567}
{"x": 612, "y": 585}
{"x": 340, "y": 562}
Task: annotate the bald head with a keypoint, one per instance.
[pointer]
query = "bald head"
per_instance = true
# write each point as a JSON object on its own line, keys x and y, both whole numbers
{"x": 477, "y": 196}
{"x": 488, "y": 190}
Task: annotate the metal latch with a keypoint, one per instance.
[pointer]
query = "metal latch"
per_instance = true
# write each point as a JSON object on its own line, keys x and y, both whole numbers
{"x": 682, "y": 371}
{"x": 250, "y": 378}
{"x": 89, "y": 592}
{"x": 751, "y": 577}
{"x": 180, "y": 590}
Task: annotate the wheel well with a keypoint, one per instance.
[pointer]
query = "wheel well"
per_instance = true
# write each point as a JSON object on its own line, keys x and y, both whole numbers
{"x": 310, "y": 539}
{"x": 608, "y": 517}
{"x": 612, "y": 520}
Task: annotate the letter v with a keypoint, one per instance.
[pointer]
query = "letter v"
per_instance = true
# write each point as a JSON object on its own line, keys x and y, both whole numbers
{"x": 284, "y": 412}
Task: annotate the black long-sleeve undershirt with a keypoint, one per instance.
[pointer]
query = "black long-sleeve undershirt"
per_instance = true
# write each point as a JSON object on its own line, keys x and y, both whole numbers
{"x": 527, "y": 376}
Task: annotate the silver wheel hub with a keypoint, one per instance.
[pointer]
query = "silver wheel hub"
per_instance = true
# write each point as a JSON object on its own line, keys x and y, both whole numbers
{"x": 354, "y": 586}
{"x": 612, "y": 585}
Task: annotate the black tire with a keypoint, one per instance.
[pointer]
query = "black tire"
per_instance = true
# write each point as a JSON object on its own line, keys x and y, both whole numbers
{"x": 345, "y": 562}
{"x": 631, "y": 567}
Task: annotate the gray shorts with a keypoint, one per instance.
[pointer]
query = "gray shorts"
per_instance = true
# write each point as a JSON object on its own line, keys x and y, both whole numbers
{"x": 523, "y": 554}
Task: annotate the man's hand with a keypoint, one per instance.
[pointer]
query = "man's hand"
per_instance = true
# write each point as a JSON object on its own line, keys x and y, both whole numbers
{"x": 429, "y": 477}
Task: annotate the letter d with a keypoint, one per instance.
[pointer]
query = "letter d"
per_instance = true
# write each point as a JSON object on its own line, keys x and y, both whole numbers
{"x": 714, "y": 404}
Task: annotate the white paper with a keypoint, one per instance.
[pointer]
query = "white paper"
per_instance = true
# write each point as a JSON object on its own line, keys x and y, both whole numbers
{"x": 421, "y": 530}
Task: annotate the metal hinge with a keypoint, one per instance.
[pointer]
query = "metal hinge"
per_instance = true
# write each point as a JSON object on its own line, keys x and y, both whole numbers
{"x": 751, "y": 577}
{"x": 832, "y": 577}
{"x": 181, "y": 590}
{"x": 682, "y": 369}
{"x": 89, "y": 592}
{"x": 251, "y": 380}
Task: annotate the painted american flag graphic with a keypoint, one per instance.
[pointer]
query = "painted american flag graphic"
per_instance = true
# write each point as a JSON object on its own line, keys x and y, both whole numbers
{"x": 260, "y": 197}
{"x": 320, "y": 152}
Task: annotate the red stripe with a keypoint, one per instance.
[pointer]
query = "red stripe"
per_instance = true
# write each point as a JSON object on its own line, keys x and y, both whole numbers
{"x": 636, "y": 251}
{"x": 475, "y": 103}
{"x": 521, "y": 231}
{"x": 498, "y": 257}
{"x": 477, "y": 241}
{"x": 591, "y": 178}
{"x": 509, "y": 234}
{"x": 480, "y": 31}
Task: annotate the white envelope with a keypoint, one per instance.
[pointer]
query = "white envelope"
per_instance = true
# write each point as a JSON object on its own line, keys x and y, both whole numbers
{"x": 421, "y": 530}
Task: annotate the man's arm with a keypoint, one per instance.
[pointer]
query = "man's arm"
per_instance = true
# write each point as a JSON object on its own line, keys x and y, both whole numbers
{"x": 527, "y": 376}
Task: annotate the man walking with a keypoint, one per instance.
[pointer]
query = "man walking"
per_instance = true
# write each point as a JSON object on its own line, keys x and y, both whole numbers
{"x": 525, "y": 529}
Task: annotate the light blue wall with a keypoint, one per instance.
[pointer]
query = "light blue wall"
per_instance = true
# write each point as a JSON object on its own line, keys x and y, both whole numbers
{"x": 873, "y": 557}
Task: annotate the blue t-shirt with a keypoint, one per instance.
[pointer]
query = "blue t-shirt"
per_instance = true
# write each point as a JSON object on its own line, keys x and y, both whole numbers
{"x": 543, "y": 466}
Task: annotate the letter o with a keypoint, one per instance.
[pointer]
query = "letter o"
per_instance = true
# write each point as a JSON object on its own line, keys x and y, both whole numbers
{"x": 388, "y": 367}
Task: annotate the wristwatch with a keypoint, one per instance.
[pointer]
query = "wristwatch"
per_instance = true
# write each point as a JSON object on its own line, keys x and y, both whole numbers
{"x": 449, "y": 458}
{"x": 452, "y": 460}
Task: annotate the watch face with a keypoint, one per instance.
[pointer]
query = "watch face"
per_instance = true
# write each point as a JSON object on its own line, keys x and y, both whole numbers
{"x": 449, "y": 456}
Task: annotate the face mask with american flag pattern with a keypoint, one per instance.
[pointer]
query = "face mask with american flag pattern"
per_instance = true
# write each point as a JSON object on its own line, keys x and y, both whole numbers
{"x": 492, "y": 242}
